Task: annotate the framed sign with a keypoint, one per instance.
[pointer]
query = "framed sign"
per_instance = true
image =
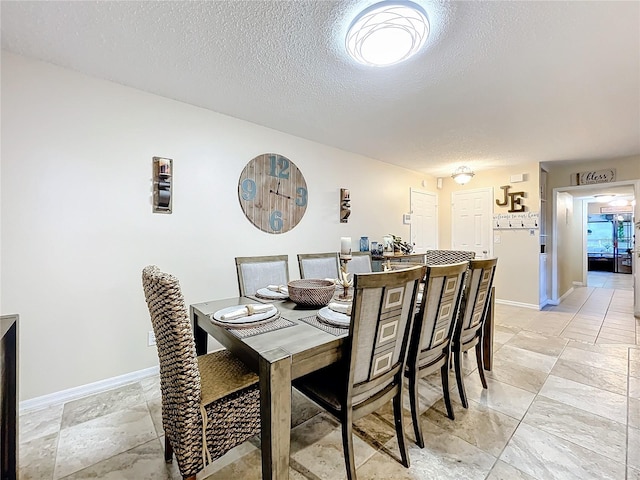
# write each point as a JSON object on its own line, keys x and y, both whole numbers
{"x": 621, "y": 209}
{"x": 595, "y": 176}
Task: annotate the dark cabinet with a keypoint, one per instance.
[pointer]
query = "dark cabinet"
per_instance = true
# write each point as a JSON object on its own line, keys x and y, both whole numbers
{"x": 9, "y": 396}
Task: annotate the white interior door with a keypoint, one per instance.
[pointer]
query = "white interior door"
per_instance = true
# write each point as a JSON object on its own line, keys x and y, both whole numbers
{"x": 471, "y": 221}
{"x": 424, "y": 220}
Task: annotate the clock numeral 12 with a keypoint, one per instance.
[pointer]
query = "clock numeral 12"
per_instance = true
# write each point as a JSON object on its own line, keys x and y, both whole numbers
{"x": 278, "y": 167}
{"x": 275, "y": 220}
{"x": 301, "y": 199}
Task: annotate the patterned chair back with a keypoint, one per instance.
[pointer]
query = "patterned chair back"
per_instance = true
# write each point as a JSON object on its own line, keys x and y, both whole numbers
{"x": 436, "y": 318}
{"x": 360, "y": 263}
{"x": 383, "y": 307}
{"x": 255, "y": 273}
{"x": 319, "y": 265}
{"x": 179, "y": 375}
{"x": 445, "y": 257}
{"x": 476, "y": 299}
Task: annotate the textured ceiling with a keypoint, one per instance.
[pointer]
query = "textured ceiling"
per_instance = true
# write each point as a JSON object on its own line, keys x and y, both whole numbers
{"x": 498, "y": 82}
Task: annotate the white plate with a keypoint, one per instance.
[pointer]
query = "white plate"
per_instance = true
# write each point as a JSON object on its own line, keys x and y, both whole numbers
{"x": 270, "y": 294}
{"x": 326, "y": 315}
{"x": 256, "y": 317}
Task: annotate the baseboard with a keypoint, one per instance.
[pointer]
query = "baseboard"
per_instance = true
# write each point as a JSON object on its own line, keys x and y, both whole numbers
{"x": 84, "y": 390}
{"x": 518, "y": 304}
{"x": 566, "y": 294}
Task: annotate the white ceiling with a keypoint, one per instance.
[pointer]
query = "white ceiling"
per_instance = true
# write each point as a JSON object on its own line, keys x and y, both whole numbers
{"x": 498, "y": 82}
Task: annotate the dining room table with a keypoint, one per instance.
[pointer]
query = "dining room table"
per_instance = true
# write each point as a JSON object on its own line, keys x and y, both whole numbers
{"x": 279, "y": 351}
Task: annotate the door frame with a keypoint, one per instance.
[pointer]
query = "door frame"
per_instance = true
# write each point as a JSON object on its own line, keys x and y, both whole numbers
{"x": 555, "y": 300}
{"x": 437, "y": 219}
{"x": 488, "y": 190}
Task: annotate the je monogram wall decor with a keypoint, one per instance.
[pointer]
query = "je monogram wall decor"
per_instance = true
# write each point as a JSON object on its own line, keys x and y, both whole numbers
{"x": 514, "y": 200}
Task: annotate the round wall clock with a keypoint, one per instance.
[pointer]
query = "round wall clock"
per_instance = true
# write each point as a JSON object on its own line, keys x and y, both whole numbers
{"x": 273, "y": 193}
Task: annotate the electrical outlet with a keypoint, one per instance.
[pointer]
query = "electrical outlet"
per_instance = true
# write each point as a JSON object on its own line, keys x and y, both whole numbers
{"x": 151, "y": 339}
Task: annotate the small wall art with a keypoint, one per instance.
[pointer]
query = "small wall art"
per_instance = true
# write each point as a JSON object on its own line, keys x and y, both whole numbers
{"x": 162, "y": 185}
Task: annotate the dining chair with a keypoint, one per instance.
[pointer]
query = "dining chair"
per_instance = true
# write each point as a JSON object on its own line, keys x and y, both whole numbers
{"x": 319, "y": 265}
{"x": 446, "y": 257}
{"x": 210, "y": 403}
{"x": 433, "y": 326}
{"x": 360, "y": 263}
{"x": 473, "y": 314}
{"x": 258, "y": 272}
{"x": 370, "y": 372}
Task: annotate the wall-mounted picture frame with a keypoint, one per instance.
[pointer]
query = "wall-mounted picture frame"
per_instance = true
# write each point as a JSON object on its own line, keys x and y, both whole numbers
{"x": 162, "y": 185}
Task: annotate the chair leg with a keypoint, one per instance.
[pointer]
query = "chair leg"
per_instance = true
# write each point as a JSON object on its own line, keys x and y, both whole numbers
{"x": 480, "y": 367}
{"x": 444, "y": 373}
{"x": 399, "y": 422}
{"x": 458, "y": 364}
{"x": 168, "y": 450}
{"x": 189, "y": 477}
{"x": 347, "y": 444}
{"x": 415, "y": 407}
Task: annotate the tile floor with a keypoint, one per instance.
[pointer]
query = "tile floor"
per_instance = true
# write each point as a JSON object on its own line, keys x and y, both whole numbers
{"x": 563, "y": 403}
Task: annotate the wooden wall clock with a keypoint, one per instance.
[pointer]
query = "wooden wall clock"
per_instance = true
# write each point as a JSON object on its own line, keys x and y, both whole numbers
{"x": 273, "y": 193}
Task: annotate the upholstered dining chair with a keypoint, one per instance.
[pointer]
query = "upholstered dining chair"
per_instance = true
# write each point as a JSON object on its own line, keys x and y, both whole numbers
{"x": 360, "y": 263}
{"x": 210, "y": 403}
{"x": 258, "y": 272}
{"x": 370, "y": 372}
{"x": 446, "y": 257}
{"x": 430, "y": 344}
{"x": 319, "y": 265}
{"x": 473, "y": 314}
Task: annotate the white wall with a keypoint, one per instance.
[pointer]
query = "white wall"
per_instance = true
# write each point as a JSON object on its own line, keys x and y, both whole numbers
{"x": 77, "y": 226}
{"x": 517, "y": 274}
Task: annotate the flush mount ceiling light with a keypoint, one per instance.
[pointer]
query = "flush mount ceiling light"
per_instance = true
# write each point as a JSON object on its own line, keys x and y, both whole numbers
{"x": 621, "y": 202}
{"x": 387, "y": 33}
{"x": 462, "y": 175}
{"x": 603, "y": 198}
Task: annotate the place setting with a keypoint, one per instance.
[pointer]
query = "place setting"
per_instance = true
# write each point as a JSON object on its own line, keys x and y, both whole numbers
{"x": 251, "y": 319}
{"x": 273, "y": 292}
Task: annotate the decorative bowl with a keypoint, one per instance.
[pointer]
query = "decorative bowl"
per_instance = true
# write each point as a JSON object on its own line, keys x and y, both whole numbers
{"x": 311, "y": 292}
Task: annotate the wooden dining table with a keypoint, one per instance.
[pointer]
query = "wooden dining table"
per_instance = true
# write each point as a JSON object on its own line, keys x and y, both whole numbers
{"x": 278, "y": 356}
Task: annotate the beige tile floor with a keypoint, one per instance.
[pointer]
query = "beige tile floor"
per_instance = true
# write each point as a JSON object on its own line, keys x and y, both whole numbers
{"x": 563, "y": 403}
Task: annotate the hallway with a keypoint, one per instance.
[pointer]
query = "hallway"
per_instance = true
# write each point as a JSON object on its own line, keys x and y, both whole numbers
{"x": 601, "y": 313}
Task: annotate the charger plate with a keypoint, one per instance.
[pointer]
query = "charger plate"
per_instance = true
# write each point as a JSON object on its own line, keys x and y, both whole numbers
{"x": 267, "y": 294}
{"x": 333, "y": 318}
{"x": 249, "y": 320}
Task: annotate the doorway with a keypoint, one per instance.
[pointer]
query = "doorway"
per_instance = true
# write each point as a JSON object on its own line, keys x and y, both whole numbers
{"x": 424, "y": 221}
{"x": 471, "y": 221}
{"x": 609, "y": 242}
{"x": 572, "y": 206}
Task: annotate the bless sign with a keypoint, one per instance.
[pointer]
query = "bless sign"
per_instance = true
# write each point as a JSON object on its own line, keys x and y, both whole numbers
{"x": 596, "y": 176}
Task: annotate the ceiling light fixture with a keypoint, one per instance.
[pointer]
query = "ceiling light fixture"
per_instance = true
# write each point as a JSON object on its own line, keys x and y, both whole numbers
{"x": 621, "y": 202}
{"x": 603, "y": 198}
{"x": 387, "y": 33}
{"x": 462, "y": 175}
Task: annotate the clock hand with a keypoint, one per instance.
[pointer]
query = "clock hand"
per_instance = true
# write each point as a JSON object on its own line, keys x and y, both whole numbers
{"x": 276, "y": 190}
{"x": 280, "y": 194}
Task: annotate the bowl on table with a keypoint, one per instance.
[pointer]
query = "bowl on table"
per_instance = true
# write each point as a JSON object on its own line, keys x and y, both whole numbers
{"x": 311, "y": 292}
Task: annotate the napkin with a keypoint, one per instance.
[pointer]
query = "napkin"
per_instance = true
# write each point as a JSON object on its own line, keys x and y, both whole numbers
{"x": 340, "y": 307}
{"x": 246, "y": 311}
{"x": 278, "y": 288}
